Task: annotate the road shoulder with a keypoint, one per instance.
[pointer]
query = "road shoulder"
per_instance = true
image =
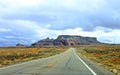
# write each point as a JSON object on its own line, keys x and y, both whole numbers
{"x": 95, "y": 66}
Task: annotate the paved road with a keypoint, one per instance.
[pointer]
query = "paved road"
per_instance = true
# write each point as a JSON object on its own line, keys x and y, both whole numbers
{"x": 67, "y": 63}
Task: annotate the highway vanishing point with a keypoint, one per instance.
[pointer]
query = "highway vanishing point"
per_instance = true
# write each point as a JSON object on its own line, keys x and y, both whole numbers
{"x": 67, "y": 63}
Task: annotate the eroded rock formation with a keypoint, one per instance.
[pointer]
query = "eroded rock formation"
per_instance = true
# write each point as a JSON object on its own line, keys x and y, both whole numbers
{"x": 66, "y": 40}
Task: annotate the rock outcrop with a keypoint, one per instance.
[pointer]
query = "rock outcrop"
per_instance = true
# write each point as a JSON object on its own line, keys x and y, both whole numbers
{"x": 44, "y": 42}
{"x": 20, "y": 45}
{"x": 66, "y": 40}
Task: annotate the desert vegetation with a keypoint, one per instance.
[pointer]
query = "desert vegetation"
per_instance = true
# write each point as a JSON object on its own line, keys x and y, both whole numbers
{"x": 11, "y": 55}
{"x": 107, "y": 55}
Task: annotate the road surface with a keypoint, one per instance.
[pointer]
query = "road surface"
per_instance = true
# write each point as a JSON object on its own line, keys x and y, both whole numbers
{"x": 67, "y": 63}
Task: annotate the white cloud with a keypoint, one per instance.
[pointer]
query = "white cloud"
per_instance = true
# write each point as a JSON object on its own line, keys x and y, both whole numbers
{"x": 8, "y": 7}
{"x": 63, "y": 14}
{"x": 100, "y": 34}
{"x": 5, "y": 30}
{"x": 21, "y": 3}
{"x": 48, "y": 25}
{"x": 79, "y": 5}
{"x": 83, "y": 5}
{"x": 20, "y": 24}
{"x": 9, "y": 36}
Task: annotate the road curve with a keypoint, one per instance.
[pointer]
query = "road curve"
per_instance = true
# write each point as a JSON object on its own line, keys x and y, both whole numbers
{"x": 67, "y": 63}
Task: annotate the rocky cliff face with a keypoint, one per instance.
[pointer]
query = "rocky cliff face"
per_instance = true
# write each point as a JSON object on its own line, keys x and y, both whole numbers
{"x": 67, "y": 40}
{"x": 44, "y": 42}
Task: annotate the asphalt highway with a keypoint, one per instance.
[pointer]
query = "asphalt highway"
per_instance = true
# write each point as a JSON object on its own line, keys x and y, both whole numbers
{"x": 67, "y": 63}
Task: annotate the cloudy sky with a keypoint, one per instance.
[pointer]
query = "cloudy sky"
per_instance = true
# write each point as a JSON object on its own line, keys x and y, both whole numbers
{"x": 27, "y": 21}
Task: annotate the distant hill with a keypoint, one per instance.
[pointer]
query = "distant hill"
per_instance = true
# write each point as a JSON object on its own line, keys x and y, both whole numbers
{"x": 20, "y": 45}
{"x": 67, "y": 40}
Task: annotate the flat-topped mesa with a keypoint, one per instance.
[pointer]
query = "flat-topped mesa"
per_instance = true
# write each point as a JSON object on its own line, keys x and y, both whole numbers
{"x": 67, "y": 40}
{"x": 75, "y": 37}
{"x": 77, "y": 40}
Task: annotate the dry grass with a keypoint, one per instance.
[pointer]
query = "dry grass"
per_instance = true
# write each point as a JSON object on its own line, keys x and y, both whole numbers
{"x": 107, "y": 55}
{"x": 11, "y": 55}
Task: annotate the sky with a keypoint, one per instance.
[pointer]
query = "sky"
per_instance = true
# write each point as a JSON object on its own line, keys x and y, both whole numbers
{"x": 27, "y": 21}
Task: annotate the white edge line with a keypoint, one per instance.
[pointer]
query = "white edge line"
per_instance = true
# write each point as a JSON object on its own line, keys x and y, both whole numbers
{"x": 85, "y": 64}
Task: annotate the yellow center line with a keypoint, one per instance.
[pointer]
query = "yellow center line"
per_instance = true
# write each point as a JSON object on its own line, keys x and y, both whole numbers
{"x": 56, "y": 61}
